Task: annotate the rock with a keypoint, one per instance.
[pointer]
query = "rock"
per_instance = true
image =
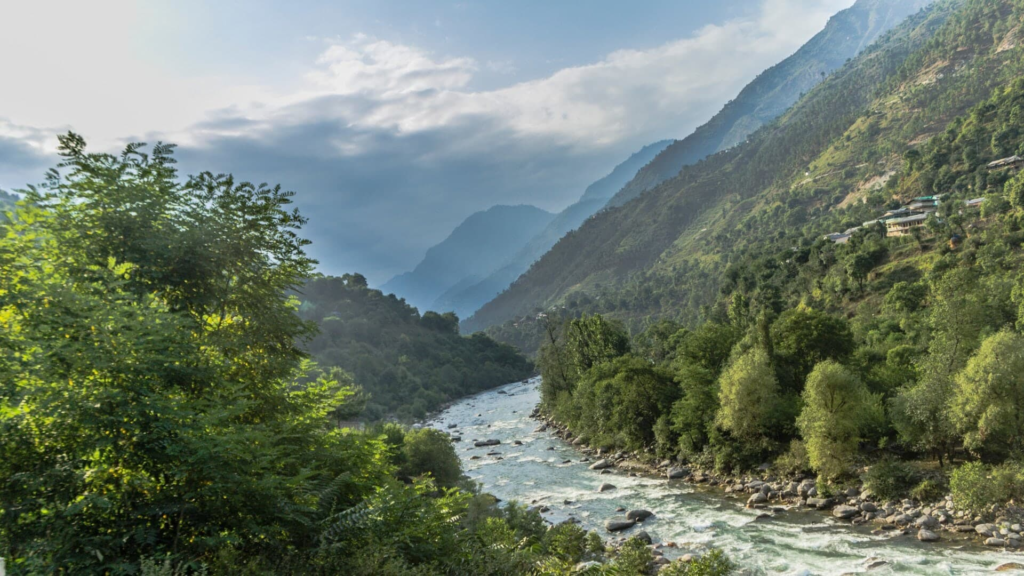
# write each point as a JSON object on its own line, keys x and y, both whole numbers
{"x": 868, "y": 507}
{"x": 875, "y": 564}
{"x": 819, "y": 503}
{"x": 757, "y": 498}
{"x": 620, "y": 509}
{"x": 494, "y": 453}
{"x": 926, "y": 522}
{"x": 845, "y": 512}
{"x": 450, "y": 426}
{"x": 484, "y": 443}
{"x": 639, "y": 515}
{"x": 995, "y": 542}
{"x": 617, "y": 525}
{"x": 674, "y": 473}
{"x": 643, "y": 537}
{"x": 605, "y": 487}
{"x": 517, "y": 443}
{"x": 1009, "y": 566}
{"x": 601, "y": 465}
{"x": 927, "y": 536}
{"x": 987, "y": 530}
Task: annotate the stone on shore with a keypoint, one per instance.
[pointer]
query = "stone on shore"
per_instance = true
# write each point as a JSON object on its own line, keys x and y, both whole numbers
{"x": 995, "y": 542}
{"x": 600, "y": 465}
{"x": 757, "y": 498}
{"x": 927, "y": 536}
{"x": 675, "y": 473}
{"x": 845, "y": 512}
{"x": 987, "y": 529}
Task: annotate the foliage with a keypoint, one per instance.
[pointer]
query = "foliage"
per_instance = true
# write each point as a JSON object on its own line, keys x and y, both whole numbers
{"x": 928, "y": 491}
{"x": 988, "y": 399}
{"x": 889, "y": 478}
{"x": 976, "y": 486}
{"x": 408, "y": 364}
{"x": 748, "y": 396}
{"x": 837, "y": 406}
{"x": 713, "y": 563}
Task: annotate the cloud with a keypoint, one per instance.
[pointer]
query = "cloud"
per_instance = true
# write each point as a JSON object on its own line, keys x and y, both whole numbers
{"x": 389, "y": 146}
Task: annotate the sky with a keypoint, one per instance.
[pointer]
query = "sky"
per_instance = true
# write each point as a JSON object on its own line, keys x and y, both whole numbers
{"x": 392, "y": 120}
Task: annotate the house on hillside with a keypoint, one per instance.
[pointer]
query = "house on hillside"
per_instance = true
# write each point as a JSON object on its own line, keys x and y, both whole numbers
{"x": 974, "y": 202}
{"x": 924, "y": 204}
{"x": 838, "y": 237}
{"x": 902, "y": 226}
{"x": 1011, "y": 162}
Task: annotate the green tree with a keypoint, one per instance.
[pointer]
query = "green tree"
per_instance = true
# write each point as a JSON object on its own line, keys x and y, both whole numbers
{"x": 803, "y": 338}
{"x": 430, "y": 451}
{"x": 837, "y": 406}
{"x": 748, "y": 396}
{"x": 988, "y": 398}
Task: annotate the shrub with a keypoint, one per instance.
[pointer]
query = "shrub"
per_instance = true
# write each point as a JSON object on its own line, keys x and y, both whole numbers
{"x": 976, "y": 486}
{"x": 928, "y": 491}
{"x": 890, "y": 478}
{"x": 634, "y": 557}
{"x": 794, "y": 461}
{"x": 714, "y": 563}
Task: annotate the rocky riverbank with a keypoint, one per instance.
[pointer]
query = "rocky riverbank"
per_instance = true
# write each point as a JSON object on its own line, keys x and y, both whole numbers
{"x": 928, "y": 522}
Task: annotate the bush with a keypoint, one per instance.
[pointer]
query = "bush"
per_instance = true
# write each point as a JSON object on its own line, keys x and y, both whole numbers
{"x": 928, "y": 491}
{"x": 890, "y": 478}
{"x": 976, "y": 486}
{"x": 430, "y": 451}
{"x": 714, "y": 563}
{"x": 794, "y": 461}
{"x": 634, "y": 557}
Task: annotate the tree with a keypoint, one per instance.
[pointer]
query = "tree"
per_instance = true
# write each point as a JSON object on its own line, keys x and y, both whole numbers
{"x": 430, "y": 451}
{"x": 694, "y": 413}
{"x": 802, "y": 338}
{"x": 837, "y": 405}
{"x": 1015, "y": 191}
{"x": 748, "y": 396}
{"x": 591, "y": 340}
{"x": 153, "y": 400}
{"x": 988, "y": 398}
{"x": 858, "y": 266}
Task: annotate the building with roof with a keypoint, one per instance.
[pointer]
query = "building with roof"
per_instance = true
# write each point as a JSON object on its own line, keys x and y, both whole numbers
{"x": 902, "y": 226}
{"x": 1011, "y": 162}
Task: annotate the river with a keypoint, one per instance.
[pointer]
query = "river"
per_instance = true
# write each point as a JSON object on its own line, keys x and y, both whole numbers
{"x": 793, "y": 542}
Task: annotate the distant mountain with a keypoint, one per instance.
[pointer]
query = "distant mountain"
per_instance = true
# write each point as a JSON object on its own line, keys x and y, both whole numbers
{"x": 473, "y": 250}
{"x": 466, "y": 298}
{"x": 776, "y": 89}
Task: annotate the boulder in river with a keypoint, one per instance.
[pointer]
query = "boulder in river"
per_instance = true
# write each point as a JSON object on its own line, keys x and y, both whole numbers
{"x": 987, "y": 529}
{"x": 616, "y": 524}
{"x": 995, "y": 542}
{"x": 1009, "y": 566}
{"x": 488, "y": 442}
{"x": 639, "y": 515}
{"x": 925, "y": 535}
{"x": 601, "y": 465}
{"x": 450, "y": 426}
{"x": 757, "y": 498}
{"x": 643, "y": 537}
{"x": 606, "y": 487}
{"x": 819, "y": 503}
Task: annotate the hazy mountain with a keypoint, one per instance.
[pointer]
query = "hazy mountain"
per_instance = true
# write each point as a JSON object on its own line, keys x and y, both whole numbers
{"x": 466, "y": 297}
{"x": 776, "y": 89}
{"x": 473, "y": 250}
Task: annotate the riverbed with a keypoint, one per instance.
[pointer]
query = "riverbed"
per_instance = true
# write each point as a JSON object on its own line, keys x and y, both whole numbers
{"x": 544, "y": 470}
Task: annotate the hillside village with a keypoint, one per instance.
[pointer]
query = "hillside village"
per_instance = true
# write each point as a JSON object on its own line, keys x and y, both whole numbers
{"x": 914, "y": 214}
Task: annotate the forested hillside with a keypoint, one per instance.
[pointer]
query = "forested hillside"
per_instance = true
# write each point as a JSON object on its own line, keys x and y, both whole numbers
{"x": 665, "y": 254}
{"x": 895, "y": 348}
{"x": 406, "y": 363}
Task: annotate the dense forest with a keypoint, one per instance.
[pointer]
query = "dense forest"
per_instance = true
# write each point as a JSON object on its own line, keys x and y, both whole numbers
{"x": 405, "y": 363}
{"x": 159, "y": 417}
{"x": 901, "y": 353}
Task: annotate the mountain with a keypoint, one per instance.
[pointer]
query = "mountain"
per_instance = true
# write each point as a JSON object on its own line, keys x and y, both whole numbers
{"x": 776, "y": 89}
{"x": 668, "y": 252}
{"x": 466, "y": 298}
{"x": 474, "y": 249}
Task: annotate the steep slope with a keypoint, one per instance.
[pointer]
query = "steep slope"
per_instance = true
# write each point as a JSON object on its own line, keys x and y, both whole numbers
{"x": 466, "y": 298}
{"x": 664, "y": 254}
{"x": 474, "y": 249}
{"x": 776, "y": 89}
